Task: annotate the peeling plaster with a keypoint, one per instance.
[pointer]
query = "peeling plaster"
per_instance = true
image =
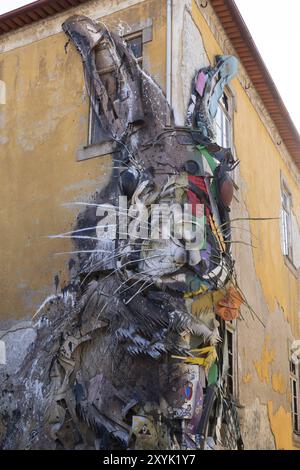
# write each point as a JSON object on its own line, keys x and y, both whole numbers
{"x": 247, "y": 378}
{"x": 256, "y": 426}
{"x": 281, "y": 425}
{"x": 263, "y": 365}
{"x": 17, "y": 341}
{"x": 279, "y": 383}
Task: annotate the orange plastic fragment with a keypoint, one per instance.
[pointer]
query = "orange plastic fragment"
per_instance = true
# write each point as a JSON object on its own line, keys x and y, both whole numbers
{"x": 228, "y": 307}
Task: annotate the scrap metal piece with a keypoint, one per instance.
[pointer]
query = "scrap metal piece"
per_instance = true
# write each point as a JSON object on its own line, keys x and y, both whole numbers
{"x": 121, "y": 105}
{"x": 207, "y": 90}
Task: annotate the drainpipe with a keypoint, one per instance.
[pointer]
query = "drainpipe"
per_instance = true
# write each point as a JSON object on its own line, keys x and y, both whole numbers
{"x": 169, "y": 53}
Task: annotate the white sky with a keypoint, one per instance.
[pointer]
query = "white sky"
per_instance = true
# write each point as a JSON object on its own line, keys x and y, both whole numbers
{"x": 274, "y": 25}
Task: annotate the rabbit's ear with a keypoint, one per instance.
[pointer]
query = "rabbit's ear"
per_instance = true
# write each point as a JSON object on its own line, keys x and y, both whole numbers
{"x": 113, "y": 77}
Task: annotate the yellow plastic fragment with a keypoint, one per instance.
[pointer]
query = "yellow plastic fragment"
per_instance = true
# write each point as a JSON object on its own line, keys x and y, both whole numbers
{"x": 217, "y": 233}
{"x": 207, "y": 302}
{"x": 202, "y": 289}
{"x": 206, "y": 362}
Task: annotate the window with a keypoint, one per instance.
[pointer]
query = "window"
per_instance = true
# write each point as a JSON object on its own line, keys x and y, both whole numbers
{"x": 135, "y": 42}
{"x": 230, "y": 337}
{"x": 286, "y": 222}
{"x": 294, "y": 379}
{"x": 223, "y": 122}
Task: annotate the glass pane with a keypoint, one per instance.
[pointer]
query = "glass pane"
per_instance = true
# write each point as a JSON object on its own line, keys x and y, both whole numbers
{"x": 295, "y": 391}
{"x": 230, "y": 362}
{"x": 97, "y": 133}
{"x": 293, "y": 367}
{"x": 227, "y": 133}
{"x": 285, "y": 234}
{"x": 295, "y": 423}
{"x": 225, "y": 102}
{"x": 222, "y": 128}
{"x": 229, "y": 339}
{"x": 230, "y": 384}
{"x": 218, "y": 127}
{"x": 136, "y": 45}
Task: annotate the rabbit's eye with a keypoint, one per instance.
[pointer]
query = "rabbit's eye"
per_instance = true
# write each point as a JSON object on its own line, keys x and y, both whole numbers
{"x": 129, "y": 181}
{"x": 191, "y": 167}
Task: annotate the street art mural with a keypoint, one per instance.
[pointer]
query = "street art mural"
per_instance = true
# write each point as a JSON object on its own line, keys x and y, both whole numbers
{"x": 133, "y": 354}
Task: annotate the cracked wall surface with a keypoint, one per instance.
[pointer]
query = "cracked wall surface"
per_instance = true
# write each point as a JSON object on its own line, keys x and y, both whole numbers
{"x": 270, "y": 285}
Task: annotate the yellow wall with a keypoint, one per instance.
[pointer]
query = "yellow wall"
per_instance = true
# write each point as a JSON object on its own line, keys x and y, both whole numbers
{"x": 43, "y": 123}
{"x": 271, "y": 287}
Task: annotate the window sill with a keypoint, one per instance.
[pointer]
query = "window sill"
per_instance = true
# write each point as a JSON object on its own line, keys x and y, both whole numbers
{"x": 96, "y": 150}
{"x": 290, "y": 265}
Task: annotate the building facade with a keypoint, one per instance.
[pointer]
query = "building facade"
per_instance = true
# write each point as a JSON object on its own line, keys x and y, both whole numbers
{"x": 53, "y": 155}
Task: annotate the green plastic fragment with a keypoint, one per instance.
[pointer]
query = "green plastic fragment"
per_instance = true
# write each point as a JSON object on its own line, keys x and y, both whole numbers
{"x": 213, "y": 166}
{"x": 213, "y": 374}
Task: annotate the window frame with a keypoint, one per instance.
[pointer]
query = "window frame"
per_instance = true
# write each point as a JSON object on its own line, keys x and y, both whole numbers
{"x": 226, "y": 116}
{"x": 286, "y": 221}
{"x": 231, "y": 330}
{"x": 295, "y": 396}
{"x": 230, "y": 94}
{"x": 129, "y": 37}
